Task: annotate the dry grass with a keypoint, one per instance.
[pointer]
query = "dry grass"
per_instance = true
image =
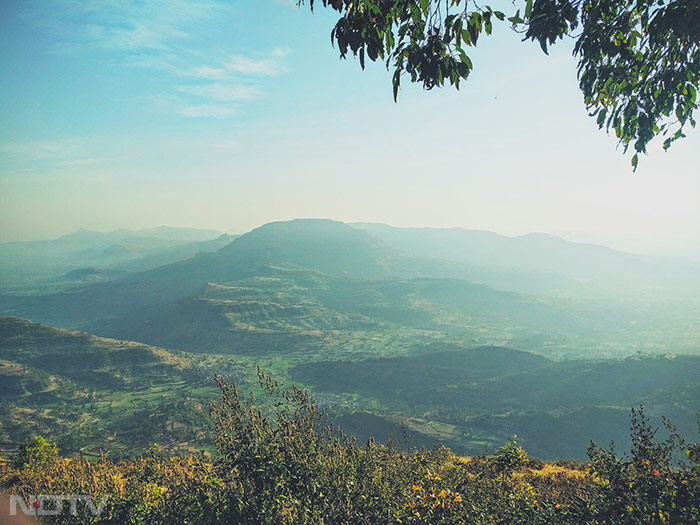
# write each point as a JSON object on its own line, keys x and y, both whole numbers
{"x": 550, "y": 469}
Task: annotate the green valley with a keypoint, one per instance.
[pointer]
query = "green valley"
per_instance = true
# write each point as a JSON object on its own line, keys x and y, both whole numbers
{"x": 389, "y": 340}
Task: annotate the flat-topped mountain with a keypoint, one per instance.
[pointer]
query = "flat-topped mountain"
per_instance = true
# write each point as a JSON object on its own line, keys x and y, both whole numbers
{"x": 327, "y": 246}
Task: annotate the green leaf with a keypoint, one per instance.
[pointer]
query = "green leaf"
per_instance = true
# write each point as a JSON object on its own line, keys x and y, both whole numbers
{"x": 601, "y": 117}
{"x": 424, "y": 6}
{"x": 515, "y": 19}
{"x": 396, "y": 83}
{"x": 466, "y": 37}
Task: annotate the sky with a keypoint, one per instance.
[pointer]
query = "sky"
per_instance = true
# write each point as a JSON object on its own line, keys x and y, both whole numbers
{"x": 231, "y": 114}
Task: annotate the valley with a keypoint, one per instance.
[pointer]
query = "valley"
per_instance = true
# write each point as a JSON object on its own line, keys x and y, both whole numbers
{"x": 389, "y": 340}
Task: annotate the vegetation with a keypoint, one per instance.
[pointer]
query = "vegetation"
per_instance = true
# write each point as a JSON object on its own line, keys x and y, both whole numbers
{"x": 87, "y": 391}
{"x": 281, "y": 463}
{"x": 36, "y": 451}
{"x": 390, "y": 341}
{"x": 639, "y": 61}
{"x": 484, "y": 394}
{"x": 90, "y": 393}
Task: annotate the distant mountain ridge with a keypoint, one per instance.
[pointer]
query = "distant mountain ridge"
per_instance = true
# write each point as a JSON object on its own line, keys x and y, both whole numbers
{"x": 593, "y": 264}
{"x": 30, "y": 267}
{"x": 170, "y": 233}
{"x": 329, "y": 247}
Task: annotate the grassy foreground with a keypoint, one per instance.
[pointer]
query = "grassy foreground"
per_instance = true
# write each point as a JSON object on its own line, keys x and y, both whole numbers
{"x": 279, "y": 462}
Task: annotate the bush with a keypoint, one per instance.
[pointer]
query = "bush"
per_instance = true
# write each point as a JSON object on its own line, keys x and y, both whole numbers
{"x": 648, "y": 486}
{"x": 36, "y": 452}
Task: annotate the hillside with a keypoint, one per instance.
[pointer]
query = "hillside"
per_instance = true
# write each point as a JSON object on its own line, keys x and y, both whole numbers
{"x": 483, "y": 395}
{"x": 86, "y": 390}
{"x": 280, "y": 310}
{"x": 81, "y": 388}
{"x": 83, "y": 357}
{"x": 382, "y": 336}
{"x": 319, "y": 245}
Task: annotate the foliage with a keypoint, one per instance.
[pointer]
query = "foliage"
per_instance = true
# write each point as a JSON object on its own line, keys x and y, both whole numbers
{"x": 646, "y": 487}
{"x": 510, "y": 458}
{"x": 36, "y": 451}
{"x": 639, "y": 61}
{"x": 284, "y": 465}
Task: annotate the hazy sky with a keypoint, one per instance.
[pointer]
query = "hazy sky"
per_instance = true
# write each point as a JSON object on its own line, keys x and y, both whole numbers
{"x": 231, "y": 114}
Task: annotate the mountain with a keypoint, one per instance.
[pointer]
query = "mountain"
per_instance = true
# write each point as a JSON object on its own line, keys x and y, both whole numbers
{"x": 174, "y": 254}
{"x": 90, "y": 243}
{"x": 321, "y": 245}
{"x": 414, "y": 327}
{"x": 595, "y": 266}
{"x": 326, "y": 246}
{"x": 86, "y": 238}
{"x": 32, "y": 266}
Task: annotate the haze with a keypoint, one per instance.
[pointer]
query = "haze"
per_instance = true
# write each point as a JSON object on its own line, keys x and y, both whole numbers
{"x": 230, "y": 115}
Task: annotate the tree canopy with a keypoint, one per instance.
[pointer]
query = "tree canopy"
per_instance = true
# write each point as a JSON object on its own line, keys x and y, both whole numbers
{"x": 638, "y": 60}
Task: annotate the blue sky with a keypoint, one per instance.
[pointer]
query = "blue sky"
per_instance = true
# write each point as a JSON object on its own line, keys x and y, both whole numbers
{"x": 230, "y": 114}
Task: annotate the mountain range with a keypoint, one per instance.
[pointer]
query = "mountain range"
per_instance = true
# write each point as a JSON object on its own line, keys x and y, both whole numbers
{"x": 40, "y": 266}
{"x": 339, "y": 270}
{"x": 596, "y": 267}
{"x": 381, "y": 322}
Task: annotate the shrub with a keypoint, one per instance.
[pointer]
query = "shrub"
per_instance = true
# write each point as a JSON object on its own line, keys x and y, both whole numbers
{"x": 35, "y": 452}
{"x": 645, "y": 486}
